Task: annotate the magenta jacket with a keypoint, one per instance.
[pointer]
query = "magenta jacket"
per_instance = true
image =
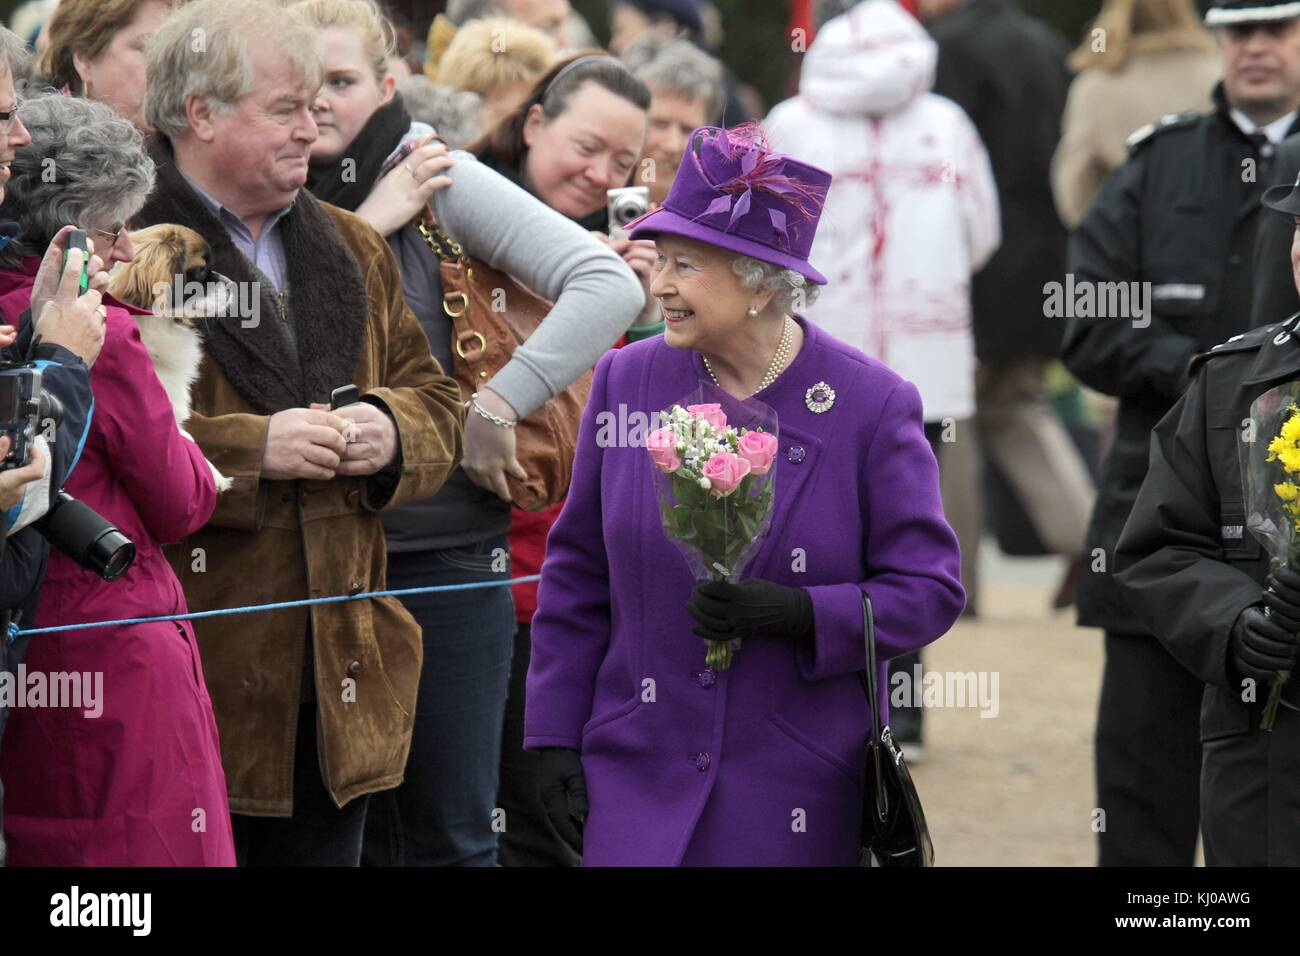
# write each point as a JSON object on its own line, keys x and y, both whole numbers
{"x": 141, "y": 784}
{"x": 760, "y": 764}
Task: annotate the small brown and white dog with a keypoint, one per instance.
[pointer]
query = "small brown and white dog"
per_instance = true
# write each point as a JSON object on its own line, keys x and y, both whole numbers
{"x": 170, "y": 275}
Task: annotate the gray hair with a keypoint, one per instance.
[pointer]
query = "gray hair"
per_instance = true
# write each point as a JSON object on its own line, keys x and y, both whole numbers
{"x": 794, "y": 293}
{"x": 85, "y": 165}
{"x": 460, "y": 12}
{"x": 675, "y": 66}
{"x": 453, "y": 113}
{"x": 201, "y": 49}
{"x": 14, "y": 54}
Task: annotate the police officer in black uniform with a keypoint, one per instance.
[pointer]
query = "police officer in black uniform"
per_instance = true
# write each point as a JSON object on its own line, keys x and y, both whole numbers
{"x": 1196, "y": 575}
{"x": 1178, "y": 220}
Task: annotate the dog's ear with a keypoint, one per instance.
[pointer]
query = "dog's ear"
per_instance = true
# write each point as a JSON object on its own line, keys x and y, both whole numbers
{"x": 146, "y": 281}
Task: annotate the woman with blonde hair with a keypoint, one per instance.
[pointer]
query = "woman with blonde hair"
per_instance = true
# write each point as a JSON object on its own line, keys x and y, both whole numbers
{"x": 443, "y": 813}
{"x": 499, "y": 59}
{"x": 96, "y": 50}
{"x": 1140, "y": 60}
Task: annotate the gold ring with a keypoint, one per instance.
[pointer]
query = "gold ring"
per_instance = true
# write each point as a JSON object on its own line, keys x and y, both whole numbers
{"x": 411, "y": 171}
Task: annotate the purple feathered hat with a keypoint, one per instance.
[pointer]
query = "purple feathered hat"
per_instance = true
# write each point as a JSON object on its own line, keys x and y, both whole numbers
{"x": 733, "y": 191}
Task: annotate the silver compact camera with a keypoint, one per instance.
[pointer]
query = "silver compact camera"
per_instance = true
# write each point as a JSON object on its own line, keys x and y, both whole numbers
{"x": 625, "y": 205}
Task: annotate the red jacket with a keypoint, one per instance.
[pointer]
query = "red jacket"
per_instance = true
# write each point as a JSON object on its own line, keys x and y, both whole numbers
{"x": 528, "y": 531}
{"x": 141, "y": 782}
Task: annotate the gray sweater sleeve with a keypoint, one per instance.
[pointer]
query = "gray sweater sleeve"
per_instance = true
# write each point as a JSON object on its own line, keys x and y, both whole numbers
{"x": 596, "y": 294}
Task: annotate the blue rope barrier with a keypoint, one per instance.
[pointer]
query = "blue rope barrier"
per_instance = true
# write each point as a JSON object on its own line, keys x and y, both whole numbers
{"x": 253, "y": 608}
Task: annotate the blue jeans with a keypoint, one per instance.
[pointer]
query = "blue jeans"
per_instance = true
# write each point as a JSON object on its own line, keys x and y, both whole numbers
{"x": 442, "y": 814}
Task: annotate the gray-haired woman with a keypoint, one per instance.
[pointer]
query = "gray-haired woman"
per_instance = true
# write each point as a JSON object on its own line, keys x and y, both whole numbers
{"x": 686, "y": 92}
{"x": 99, "y": 785}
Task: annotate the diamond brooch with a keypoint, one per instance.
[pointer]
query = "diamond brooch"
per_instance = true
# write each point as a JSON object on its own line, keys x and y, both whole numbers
{"x": 819, "y": 398}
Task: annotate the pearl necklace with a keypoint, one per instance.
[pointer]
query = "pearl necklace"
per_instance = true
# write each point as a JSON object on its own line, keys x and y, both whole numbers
{"x": 778, "y": 360}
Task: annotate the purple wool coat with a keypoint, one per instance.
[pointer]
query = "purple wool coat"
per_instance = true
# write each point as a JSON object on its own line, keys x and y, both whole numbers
{"x": 760, "y": 764}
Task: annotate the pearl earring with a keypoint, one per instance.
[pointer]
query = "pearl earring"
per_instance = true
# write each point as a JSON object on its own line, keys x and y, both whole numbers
{"x": 753, "y": 312}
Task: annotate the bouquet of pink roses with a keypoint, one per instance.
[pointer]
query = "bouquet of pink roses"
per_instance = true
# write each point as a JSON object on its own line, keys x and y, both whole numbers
{"x": 714, "y": 479}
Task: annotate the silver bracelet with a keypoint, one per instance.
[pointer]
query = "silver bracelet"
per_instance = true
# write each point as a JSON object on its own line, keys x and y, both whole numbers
{"x": 484, "y": 413}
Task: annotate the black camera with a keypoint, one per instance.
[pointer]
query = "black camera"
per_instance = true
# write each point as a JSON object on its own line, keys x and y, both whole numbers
{"x": 81, "y": 533}
{"x": 25, "y": 409}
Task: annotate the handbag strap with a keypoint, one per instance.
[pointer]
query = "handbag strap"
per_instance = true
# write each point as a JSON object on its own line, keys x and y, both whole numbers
{"x": 868, "y": 680}
{"x": 868, "y": 677}
{"x": 443, "y": 246}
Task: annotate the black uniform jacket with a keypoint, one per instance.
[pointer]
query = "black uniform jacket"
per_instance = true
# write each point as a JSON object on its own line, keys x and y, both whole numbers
{"x": 1007, "y": 70}
{"x": 1181, "y": 215}
{"x": 1275, "y": 292}
{"x": 1186, "y": 562}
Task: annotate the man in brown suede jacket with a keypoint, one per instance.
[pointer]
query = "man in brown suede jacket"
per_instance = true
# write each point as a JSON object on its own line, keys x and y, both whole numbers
{"x": 314, "y": 705}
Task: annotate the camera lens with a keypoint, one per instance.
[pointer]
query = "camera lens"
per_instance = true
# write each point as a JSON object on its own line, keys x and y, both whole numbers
{"x": 109, "y": 555}
{"x": 86, "y": 537}
{"x": 625, "y": 210}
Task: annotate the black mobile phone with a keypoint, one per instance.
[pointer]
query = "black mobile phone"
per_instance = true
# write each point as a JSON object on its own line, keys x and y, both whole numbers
{"x": 344, "y": 395}
{"x": 77, "y": 239}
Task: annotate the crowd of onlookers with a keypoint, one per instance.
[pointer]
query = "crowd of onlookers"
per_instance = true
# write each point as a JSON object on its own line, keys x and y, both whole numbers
{"x": 300, "y": 142}
{"x": 313, "y": 158}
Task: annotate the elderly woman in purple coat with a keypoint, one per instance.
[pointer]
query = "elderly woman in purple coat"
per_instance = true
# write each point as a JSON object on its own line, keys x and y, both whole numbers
{"x": 650, "y": 757}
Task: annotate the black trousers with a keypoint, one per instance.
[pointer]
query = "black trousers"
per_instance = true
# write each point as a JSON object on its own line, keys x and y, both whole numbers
{"x": 318, "y": 833}
{"x": 529, "y": 838}
{"x": 1148, "y": 755}
{"x": 1250, "y": 785}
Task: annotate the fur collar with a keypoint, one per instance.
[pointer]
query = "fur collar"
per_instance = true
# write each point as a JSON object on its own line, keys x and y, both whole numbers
{"x": 326, "y": 300}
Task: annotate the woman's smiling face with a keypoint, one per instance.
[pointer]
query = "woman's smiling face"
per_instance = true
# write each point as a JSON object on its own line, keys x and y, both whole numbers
{"x": 705, "y": 304}
{"x": 592, "y": 147}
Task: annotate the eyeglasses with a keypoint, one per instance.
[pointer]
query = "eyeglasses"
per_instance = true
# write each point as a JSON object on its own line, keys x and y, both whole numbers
{"x": 7, "y": 118}
{"x": 113, "y": 236}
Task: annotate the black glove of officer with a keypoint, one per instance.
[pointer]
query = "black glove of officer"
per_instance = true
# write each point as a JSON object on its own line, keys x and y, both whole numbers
{"x": 726, "y": 611}
{"x": 1263, "y": 644}
{"x": 563, "y": 789}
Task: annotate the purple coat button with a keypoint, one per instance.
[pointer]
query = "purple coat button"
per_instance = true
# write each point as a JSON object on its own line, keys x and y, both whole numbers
{"x": 702, "y": 762}
{"x": 795, "y": 454}
{"x": 706, "y": 678}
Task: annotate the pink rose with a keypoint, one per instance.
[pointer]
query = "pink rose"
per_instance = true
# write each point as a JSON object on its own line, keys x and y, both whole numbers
{"x": 662, "y": 445}
{"x": 725, "y": 471}
{"x": 713, "y": 414}
{"x": 758, "y": 448}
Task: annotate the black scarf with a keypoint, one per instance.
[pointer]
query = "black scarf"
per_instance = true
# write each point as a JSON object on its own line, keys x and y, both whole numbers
{"x": 347, "y": 181}
{"x": 326, "y": 298}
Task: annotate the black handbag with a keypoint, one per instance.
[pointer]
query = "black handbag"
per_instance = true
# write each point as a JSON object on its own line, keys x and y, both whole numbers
{"x": 893, "y": 824}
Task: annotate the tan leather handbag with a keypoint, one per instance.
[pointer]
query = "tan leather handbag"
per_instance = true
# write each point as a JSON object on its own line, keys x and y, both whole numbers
{"x": 491, "y": 315}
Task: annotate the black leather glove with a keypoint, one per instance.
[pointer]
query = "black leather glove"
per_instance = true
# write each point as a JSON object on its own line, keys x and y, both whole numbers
{"x": 1260, "y": 646}
{"x": 726, "y": 611}
{"x": 563, "y": 789}
{"x": 1283, "y": 596}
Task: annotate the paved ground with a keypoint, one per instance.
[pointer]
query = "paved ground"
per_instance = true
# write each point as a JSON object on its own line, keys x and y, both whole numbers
{"x": 1015, "y": 789}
